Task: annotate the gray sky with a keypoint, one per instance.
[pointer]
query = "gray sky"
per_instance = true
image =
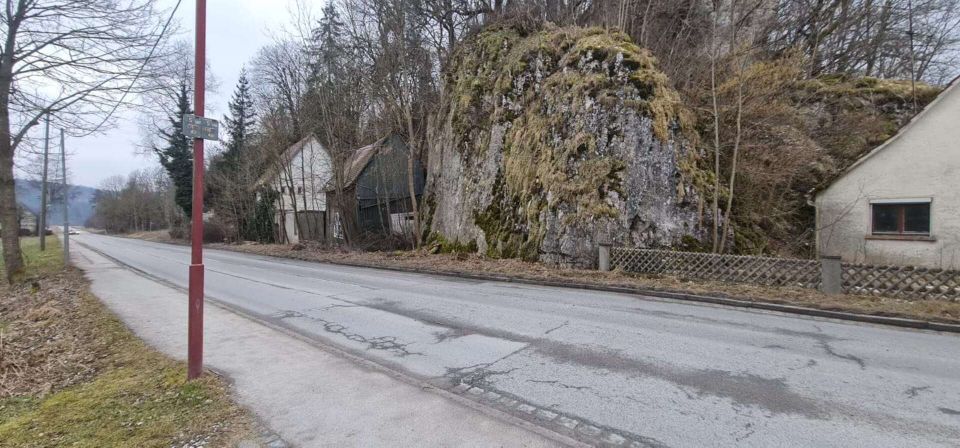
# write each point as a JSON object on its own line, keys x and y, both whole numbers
{"x": 236, "y": 29}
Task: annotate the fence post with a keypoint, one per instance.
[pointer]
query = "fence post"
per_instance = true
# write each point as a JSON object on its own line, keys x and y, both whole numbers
{"x": 831, "y": 275}
{"x": 604, "y": 257}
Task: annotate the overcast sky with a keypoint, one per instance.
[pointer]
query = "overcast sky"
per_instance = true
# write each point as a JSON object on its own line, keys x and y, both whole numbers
{"x": 236, "y": 29}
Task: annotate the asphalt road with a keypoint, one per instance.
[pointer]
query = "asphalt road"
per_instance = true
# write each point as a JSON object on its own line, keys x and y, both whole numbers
{"x": 658, "y": 372}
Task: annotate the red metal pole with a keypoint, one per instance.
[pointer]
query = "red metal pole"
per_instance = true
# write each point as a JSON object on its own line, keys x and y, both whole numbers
{"x": 195, "y": 319}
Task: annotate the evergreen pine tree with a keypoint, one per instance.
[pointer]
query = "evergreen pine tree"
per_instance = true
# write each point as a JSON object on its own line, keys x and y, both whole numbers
{"x": 240, "y": 121}
{"x": 176, "y": 156}
{"x": 231, "y": 175}
{"x": 325, "y": 48}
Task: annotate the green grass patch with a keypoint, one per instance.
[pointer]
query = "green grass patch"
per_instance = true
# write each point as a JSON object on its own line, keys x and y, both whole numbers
{"x": 143, "y": 404}
{"x": 37, "y": 262}
{"x": 95, "y": 384}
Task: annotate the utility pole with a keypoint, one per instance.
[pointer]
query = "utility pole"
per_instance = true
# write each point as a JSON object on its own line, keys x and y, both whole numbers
{"x": 42, "y": 231}
{"x": 66, "y": 201}
{"x": 195, "y": 313}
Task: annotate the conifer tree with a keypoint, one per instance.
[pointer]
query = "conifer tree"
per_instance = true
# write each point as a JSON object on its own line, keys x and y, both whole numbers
{"x": 236, "y": 168}
{"x": 240, "y": 122}
{"x": 176, "y": 156}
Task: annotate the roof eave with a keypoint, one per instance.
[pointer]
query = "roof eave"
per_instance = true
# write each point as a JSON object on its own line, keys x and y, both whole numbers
{"x": 903, "y": 129}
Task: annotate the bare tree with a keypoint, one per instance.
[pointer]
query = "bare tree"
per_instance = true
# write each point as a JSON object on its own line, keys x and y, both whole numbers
{"x": 73, "y": 60}
{"x": 138, "y": 202}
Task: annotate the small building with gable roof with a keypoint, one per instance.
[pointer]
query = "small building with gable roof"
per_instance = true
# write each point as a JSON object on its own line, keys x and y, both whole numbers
{"x": 900, "y": 203}
{"x": 300, "y": 175}
{"x": 375, "y": 191}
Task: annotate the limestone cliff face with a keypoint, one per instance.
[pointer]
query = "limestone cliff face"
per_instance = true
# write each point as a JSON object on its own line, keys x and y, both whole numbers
{"x": 551, "y": 142}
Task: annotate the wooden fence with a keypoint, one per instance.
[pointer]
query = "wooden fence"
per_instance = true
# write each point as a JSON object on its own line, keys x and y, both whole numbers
{"x": 903, "y": 282}
{"x": 889, "y": 281}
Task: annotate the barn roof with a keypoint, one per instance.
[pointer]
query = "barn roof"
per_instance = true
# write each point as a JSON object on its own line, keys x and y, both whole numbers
{"x": 361, "y": 157}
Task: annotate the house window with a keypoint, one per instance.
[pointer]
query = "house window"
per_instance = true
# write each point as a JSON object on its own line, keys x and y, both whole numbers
{"x": 904, "y": 218}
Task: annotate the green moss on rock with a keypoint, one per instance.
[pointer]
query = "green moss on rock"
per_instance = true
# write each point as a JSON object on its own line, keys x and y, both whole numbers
{"x": 440, "y": 244}
{"x": 554, "y": 93}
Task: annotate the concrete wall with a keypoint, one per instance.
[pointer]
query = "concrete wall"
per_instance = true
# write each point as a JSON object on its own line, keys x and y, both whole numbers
{"x": 921, "y": 163}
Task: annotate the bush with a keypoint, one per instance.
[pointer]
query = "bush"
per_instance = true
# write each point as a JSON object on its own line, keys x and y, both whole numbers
{"x": 178, "y": 233}
{"x": 213, "y": 232}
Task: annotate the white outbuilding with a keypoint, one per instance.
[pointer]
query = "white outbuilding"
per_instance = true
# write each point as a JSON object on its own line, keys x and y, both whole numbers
{"x": 900, "y": 203}
{"x": 300, "y": 175}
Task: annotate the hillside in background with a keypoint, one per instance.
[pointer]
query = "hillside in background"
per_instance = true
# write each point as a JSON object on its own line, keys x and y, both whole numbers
{"x": 81, "y": 202}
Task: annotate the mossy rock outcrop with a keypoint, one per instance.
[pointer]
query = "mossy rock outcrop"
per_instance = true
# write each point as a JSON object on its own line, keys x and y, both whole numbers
{"x": 552, "y": 141}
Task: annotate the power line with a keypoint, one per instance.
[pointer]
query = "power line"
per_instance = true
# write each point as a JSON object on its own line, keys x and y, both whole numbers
{"x": 139, "y": 72}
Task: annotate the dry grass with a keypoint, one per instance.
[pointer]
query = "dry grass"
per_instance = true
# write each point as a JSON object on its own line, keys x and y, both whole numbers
{"x": 932, "y": 310}
{"x": 159, "y": 236}
{"x": 71, "y": 374}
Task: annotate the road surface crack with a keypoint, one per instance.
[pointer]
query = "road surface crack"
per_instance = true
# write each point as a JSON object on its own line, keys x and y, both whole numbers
{"x": 557, "y": 327}
{"x": 385, "y": 343}
{"x": 914, "y": 391}
{"x": 830, "y": 351}
{"x": 481, "y": 375}
{"x": 824, "y": 342}
{"x": 560, "y": 384}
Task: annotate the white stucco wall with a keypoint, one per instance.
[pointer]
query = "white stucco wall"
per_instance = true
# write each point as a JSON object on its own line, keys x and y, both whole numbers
{"x": 309, "y": 171}
{"x": 289, "y": 226}
{"x": 921, "y": 162}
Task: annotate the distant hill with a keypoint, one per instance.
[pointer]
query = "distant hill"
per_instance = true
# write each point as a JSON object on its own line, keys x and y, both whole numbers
{"x": 81, "y": 202}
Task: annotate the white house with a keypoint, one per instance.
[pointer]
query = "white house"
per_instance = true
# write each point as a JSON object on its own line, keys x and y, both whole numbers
{"x": 300, "y": 176}
{"x": 900, "y": 203}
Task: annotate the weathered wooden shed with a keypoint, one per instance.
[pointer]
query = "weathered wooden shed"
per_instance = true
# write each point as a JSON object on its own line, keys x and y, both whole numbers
{"x": 376, "y": 192}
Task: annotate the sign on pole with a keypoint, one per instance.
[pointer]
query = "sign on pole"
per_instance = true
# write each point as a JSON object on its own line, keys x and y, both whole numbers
{"x": 200, "y": 127}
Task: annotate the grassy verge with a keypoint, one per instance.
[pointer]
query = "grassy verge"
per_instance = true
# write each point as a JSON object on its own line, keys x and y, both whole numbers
{"x": 71, "y": 374}
{"x": 931, "y": 310}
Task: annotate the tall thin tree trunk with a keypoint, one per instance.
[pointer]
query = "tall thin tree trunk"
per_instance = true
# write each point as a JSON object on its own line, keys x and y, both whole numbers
{"x": 43, "y": 186}
{"x": 716, "y": 133}
{"x": 311, "y": 231}
{"x": 738, "y": 131}
{"x": 66, "y": 201}
{"x": 913, "y": 69}
{"x": 733, "y": 164}
{"x": 411, "y": 176}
